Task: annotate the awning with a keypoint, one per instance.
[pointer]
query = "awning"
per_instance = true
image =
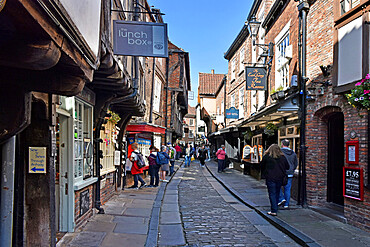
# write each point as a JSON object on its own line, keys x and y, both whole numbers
{"x": 286, "y": 108}
{"x": 145, "y": 128}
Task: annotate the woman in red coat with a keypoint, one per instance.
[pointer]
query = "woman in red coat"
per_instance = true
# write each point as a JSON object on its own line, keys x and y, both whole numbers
{"x": 135, "y": 170}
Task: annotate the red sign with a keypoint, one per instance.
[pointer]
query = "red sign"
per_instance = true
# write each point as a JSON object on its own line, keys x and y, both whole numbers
{"x": 353, "y": 183}
{"x": 352, "y": 151}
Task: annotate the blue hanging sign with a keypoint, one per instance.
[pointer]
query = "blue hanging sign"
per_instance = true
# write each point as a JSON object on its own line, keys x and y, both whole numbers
{"x": 232, "y": 113}
{"x": 256, "y": 78}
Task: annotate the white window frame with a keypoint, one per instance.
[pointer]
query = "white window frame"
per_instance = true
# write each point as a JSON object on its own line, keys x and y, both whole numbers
{"x": 232, "y": 100}
{"x": 254, "y": 106}
{"x": 222, "y": 107}
{"x": 81, "y": 140}
{"x": 282, "y": 41}
{"x": 241, "y": 102}
{"x": 233, "y": 67}
{"x": 191, "y": 134}
{"x": 241, "y": 59}
{"x": 191, "y": 122}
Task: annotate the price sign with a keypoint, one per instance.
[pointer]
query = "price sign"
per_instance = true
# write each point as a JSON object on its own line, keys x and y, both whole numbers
{"x": 353, "y": 183}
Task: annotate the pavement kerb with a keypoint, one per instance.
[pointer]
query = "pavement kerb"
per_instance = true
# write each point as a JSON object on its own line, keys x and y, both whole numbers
{"x": 293, "y": 233}
{"x": 152, "y": 238}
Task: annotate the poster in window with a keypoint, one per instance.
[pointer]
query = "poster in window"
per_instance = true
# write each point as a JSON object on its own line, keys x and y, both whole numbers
{"x": 352, "y": 152}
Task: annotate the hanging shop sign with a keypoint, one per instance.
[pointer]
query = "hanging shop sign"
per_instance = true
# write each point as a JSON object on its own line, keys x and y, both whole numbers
{"x": 352, "y": 152}
{"x": 232, "y": 113}
{"x": 256, "y": 78}
{"x": 146, "y": 39}
{"x": 353, "y": 183}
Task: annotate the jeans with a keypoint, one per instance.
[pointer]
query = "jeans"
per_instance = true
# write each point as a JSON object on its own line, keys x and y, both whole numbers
{"x": 286, "y": 194}
{"x": 154, "y": 174}
{"x": 274, "y": 193}
{"x": 172, "y": 167}
{"x": 137, "y": 178}
{"x": 187, "y": 160}
{"x": 177, "y": 155}
{"x": 221, "y": 165}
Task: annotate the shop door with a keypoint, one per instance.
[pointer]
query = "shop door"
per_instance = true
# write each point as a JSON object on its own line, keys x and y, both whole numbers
{"x": 335, "y": 158}
{"x": 64, "y": 190}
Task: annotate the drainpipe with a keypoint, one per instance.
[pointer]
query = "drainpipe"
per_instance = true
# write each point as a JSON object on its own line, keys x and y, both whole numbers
{"x": 7, "y": 192}
{"x": 225, "y": 100}
{"x": 152, "y": 95}
{"x": 166, "y": 103}
{"x": 303, "y": 9}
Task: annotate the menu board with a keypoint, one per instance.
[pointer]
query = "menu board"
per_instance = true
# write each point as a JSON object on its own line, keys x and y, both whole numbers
{"x": 353, "y": 183}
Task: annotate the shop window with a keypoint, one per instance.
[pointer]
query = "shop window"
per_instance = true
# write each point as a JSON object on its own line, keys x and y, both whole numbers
{"x": 109, "y": 135}
{"x": 83, "y": 145}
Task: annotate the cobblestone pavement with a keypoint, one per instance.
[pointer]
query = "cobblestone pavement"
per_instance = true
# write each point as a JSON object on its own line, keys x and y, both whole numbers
{"x": 212, "y": 217}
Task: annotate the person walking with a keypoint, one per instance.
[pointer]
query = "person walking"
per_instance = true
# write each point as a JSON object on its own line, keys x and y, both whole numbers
{"x": 153, "y": 167}
{"x": 220, "y": 154}
{"x": 172, "y": 154}
{"x": 202, "y": 155}
{"x": 187, "y": 155}
{"x": 274, "y": 164}
{"x": 163, "y": 160}
{"x": 291, "y": 156}
{"x": 208, "y": 152}
{"x": 178, "y": 151}
{"x": 135, "y": 170}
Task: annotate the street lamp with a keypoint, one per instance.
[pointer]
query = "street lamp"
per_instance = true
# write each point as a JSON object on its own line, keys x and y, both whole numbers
{"x": 253, "y": 26}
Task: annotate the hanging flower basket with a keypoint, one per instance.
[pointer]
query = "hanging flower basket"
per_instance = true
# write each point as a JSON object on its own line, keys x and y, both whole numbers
{"x": 360, "y": 95}
{"x": 270, "y": 129}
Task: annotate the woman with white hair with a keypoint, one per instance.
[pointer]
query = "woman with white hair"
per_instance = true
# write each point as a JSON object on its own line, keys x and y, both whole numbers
{"x": 163, "y": 159}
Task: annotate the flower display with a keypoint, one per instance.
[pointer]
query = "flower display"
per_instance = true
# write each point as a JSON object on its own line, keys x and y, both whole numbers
{"x": 360, "y": 95}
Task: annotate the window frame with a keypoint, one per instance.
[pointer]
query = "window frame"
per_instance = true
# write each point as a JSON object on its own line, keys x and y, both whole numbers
{"x": 241, "y": 102}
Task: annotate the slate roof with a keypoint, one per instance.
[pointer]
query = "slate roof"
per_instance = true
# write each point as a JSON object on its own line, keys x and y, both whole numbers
{"x": 209, "y": 82}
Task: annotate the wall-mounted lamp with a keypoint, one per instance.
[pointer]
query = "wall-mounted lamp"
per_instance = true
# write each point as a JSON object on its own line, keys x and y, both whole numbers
{"x": 326, "y": 70}
{"x": 253, "y": 26}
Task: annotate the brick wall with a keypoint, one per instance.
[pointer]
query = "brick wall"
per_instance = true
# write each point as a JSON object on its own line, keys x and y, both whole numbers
{"x": 79, "y": 219}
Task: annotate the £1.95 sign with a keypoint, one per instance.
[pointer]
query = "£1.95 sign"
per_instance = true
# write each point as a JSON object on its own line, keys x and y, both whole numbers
{"x": 353, "y": 183}
{"x": 145, "y": 39}
{"x": 256, "y": 78}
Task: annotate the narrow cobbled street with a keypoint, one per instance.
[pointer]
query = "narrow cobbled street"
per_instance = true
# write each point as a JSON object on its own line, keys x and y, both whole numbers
{"x": 212, "y": 216}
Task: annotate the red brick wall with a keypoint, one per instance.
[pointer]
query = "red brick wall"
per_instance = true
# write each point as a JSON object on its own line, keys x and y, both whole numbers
{"x": 109, "y": 187}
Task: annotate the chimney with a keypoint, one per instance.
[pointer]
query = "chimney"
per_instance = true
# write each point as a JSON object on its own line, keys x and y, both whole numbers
{"x": 212, "y": 71}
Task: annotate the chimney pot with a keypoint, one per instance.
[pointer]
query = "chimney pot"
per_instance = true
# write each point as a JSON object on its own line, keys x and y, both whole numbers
{"x": 212, "y": 71}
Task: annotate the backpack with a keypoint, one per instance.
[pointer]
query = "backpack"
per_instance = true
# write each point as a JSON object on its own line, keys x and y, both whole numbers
{"x": 161, "y": 159}
{"x": 140, "y": 160}
{"x": 172, "y": 154}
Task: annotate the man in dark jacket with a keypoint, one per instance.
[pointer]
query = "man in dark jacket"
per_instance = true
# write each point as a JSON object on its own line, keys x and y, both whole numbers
{"x": 291, "y": 156}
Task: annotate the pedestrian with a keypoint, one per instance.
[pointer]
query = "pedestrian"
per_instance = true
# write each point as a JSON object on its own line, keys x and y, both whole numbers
{"x": 221, "y": 158}
{"x": 274, "y": 164}
{"x": 202, "y": 155}
{"x": 172, "y": 154}
{"x": 135, "y": 170}
{"x": 188, "y": 155}
{"x": 291, "y": 156}
{"x": 153, "y": 167}
{"x": 178, "y": 151}
{"x": 208, "y": 152}
{"x": 163, "y": 160}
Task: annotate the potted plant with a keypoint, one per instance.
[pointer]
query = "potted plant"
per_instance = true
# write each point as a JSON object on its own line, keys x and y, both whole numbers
{"x": 274, "y": 94}
{"x": 270, "y": 129}
{"x": 280, "y": 92}
{"x": 360, "y": 95}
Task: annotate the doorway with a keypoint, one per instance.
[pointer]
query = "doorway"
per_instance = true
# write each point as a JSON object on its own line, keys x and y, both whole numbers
{"x": 63, "y": 184}
{"x": 335, "y": 158}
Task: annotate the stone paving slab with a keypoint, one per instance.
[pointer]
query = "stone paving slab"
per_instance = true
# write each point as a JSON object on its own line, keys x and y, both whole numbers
{"x": 88, "y": 239}
{"x": 95, "y": 226}
{"x": 129, "y": 219}
{"x": 144, "y": 212}
{"x": 171, "y": 235}
{"x": 170, "y": 207}
{"x": 170, "y": 218}
{"x": 118, "y": 240}
{"x": 131, "y": 228}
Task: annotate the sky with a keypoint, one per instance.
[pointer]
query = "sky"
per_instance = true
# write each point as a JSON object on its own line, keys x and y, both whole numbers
{"x": 205, "y": 29}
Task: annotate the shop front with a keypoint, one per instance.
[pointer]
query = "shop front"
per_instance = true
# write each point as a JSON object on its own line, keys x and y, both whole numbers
{"x": 75, "y": 175}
